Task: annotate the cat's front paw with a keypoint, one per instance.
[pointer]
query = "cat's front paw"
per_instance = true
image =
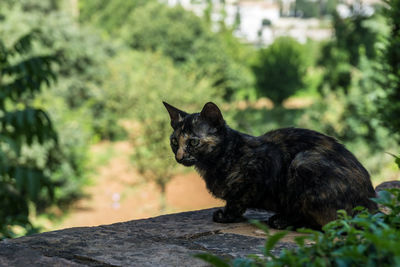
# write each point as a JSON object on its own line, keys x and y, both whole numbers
{"x": 221, "y": 217}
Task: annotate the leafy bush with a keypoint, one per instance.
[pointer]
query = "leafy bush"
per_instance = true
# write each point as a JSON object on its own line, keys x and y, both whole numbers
{"x": 337, "y": 74}
{"x": 74, "y": 102}
{"x": 350, "y": 91}
{"x": 108, "y": 15}
{"x": 356, "y": 37}
{"x": 23, "y": 127}
{"x": 280, "y": 69}
{"x": 83, "y": 53}
{"x": 75, "y": 134}
{"x": 390, "y": 102}
{"x": 364, "y": 240}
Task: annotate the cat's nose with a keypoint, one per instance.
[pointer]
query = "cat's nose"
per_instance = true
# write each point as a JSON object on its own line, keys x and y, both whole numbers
{"x": 180, "y": 154}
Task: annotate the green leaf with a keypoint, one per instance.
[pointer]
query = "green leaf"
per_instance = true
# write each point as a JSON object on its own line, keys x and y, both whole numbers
{"x": 34, "y": 183}
{"x": 300, "y": 240}
{"x": 397, "y": 159}
{"x": 20, "y": 119}
{"x": 273, "y": 239}
{"x": 30, "y": 116}
{"x": 20, "y": 177}
{"x": 243, "y": 262}
{"x": 212, "y": 259}
{"x": 384, "y": 197}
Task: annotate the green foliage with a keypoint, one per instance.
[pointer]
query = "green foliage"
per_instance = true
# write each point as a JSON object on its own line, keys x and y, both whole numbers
{"x": 240, "y": 82}
{"x": 180, "y": 35}
{"x": 397, "y": 159}
{"x": 307, "y": 9}
{"x": 348, "y": 116}
{"x": 390, "y": 103}
{"x": 82, "y": 52}
{"x": 337, "y": 75}
{"x": 189, "y": 42}
{"x": 280, "y": 69}
{"x": 75, "y": 134}
{"x": 82, "y": 73}
{"x": 364, "y": 240}
{"x": 259, "y": 121}
{"x": 310, "y": 9}
{"x": 353, "y": 33}
{"x": 175, "y": 32}
{"x": 22, "y": 127}
{"x": 108, "y": 15}
{"x": 74, "y": 102}
{"x": 355, "y": 37}
{"x": 351, "y": 87}
{"x": 137, "y": 84}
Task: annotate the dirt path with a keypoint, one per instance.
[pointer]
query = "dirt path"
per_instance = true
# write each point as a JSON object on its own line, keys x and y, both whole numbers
{"x": 120, "y": 194}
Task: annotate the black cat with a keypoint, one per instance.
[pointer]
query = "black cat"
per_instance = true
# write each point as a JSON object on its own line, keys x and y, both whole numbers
{"x": 302, "y": 175}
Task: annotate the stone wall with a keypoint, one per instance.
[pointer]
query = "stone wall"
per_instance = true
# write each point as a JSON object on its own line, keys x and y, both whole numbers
{"x": 169, "y": 240}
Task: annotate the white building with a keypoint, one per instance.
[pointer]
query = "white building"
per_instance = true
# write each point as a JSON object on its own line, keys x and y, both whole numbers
{"x": 259, "y": 20}
{"x": 254, "y": 17}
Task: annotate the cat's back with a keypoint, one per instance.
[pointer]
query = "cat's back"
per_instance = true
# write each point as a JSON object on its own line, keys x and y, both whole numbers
{"x": 308, "y": 145}
{"x": 294, "y": 140}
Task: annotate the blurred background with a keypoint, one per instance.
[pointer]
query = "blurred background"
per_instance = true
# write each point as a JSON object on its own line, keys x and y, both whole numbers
{"x": 84, "y": 134}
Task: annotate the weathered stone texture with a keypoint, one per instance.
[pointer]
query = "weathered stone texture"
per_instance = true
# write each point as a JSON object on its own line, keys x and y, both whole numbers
{"x": 169, "y": 240}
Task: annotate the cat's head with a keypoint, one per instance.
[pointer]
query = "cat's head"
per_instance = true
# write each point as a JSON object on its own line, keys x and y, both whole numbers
{"x": 196, "y": 136}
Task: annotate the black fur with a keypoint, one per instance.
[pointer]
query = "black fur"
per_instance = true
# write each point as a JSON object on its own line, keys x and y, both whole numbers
{"x": 302, "y": 175}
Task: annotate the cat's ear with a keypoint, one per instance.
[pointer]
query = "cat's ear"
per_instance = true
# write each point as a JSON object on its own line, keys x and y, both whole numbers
{"x": 212, "y": 115}
{"x": 175, "y": 114}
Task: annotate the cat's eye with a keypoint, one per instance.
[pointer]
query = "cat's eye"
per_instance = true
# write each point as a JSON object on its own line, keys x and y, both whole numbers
{"x": 174, "y": 141}
{"x": 194, "y": 142}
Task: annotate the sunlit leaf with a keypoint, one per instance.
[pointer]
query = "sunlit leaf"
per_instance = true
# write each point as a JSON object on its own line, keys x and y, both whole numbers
{"x": 273, "y": 239}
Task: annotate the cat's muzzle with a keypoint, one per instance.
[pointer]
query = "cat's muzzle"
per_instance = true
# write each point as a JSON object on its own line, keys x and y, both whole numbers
{"x": 187, "y": 161}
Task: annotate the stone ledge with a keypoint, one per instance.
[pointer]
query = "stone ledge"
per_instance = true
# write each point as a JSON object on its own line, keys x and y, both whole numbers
{"x": 168, "y": 240}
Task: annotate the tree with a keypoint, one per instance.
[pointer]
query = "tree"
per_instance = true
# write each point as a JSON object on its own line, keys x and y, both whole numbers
{"x": 390, "y": 104}
{"x": 22, "y": 125}
{"x": 354, "y": 33}
{"x": 75, "y": 102}
{"x": 108, "y": 15}
{"x": 280, "y": 69}
{"x": 355, "y": 37}
{"x": 188, "y": 40}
